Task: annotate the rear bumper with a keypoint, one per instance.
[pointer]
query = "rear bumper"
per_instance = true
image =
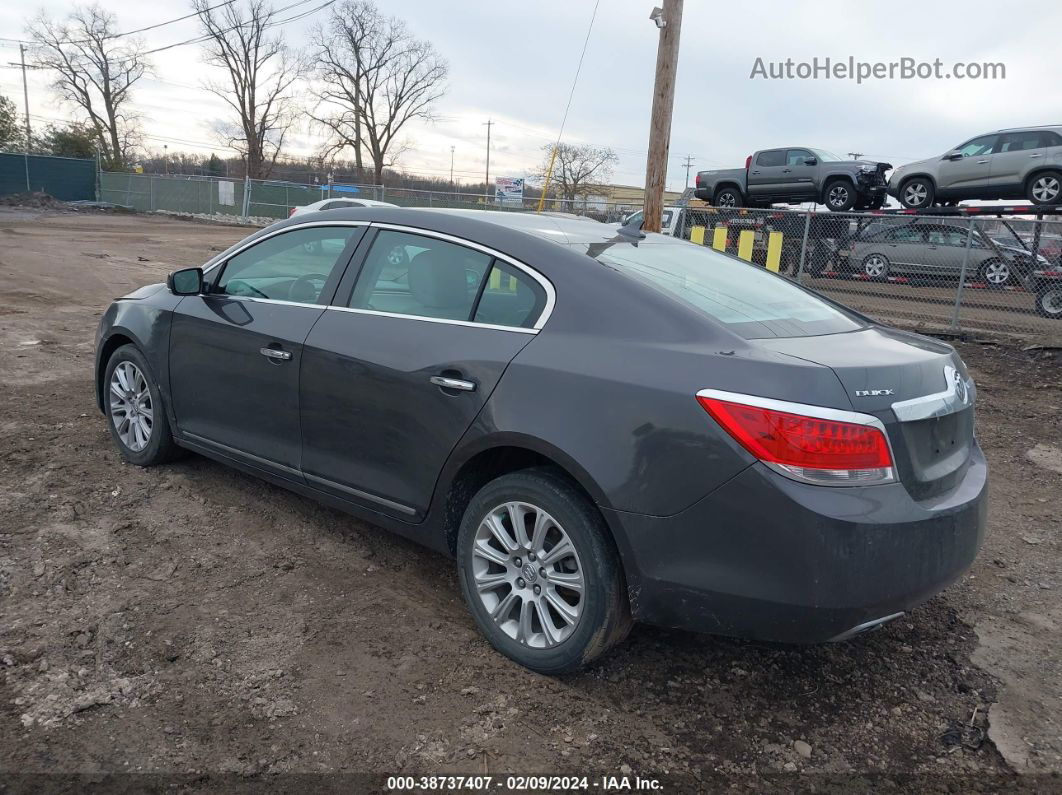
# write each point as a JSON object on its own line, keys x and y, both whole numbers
{"x": 767, "y": 558}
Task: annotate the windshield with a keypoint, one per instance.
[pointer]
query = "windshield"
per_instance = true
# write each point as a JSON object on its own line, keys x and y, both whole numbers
{"x": 745, "y": 298}
{"x": 824, "y": 156}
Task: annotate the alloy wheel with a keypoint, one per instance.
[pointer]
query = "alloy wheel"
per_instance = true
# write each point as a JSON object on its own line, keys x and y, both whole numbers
{"x": 875, "y": 265}
{"x": 528, "y": 575}
{"x": 132, "y": 411}
{"x": 997, "y": 273}
{"x": 838, "y": 196}
{"x": 1046, "y": 189}
{"x": 1051, "y": 303}
{"x": 914, "y": 195}
{"x": 727, "y": 200}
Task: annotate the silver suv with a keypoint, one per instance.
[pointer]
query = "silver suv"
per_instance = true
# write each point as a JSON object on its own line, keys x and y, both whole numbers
{"x": 1009, "y": 164}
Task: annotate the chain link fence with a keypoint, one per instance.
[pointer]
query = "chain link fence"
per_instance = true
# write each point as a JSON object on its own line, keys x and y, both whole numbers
{"x": 952, "y": 273}
{"x": 268, "y": 200}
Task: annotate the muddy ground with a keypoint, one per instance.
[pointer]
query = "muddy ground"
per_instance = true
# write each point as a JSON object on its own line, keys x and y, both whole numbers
{"x": 192, "y": 620}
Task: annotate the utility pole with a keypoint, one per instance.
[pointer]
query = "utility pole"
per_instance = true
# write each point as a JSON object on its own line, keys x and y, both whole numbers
{"x": 488, "y": 122}
{"x": 689, "y": 162}
{"x": 855, "y": 155}
{"x": 451, "y": 169}
{"x": 25, "y": 99}
{"x": 669, "y": 21}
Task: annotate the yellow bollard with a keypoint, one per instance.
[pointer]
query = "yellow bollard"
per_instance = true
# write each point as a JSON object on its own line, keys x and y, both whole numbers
{"x": 745, "y": 240}
{"x": 697, "y": 235}
{"x": 774, "y": 251}
{"x": 719, "y": 238}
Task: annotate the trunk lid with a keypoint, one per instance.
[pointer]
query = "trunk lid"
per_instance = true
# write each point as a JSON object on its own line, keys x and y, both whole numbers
{"x": 917, "y": 387}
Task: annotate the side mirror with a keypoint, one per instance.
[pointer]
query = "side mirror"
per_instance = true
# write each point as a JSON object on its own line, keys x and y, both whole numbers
{"x": 956, "y": 155}
{"x": 187, "y": 281}
{"x": 811, "y": 161}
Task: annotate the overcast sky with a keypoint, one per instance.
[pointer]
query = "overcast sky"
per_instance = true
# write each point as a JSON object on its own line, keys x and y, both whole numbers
{"x": 513, "y": 62}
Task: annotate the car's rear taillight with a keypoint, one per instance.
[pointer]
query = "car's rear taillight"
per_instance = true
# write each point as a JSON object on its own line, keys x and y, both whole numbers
{"x": 809, "y": 443}
{"x": 748, "y": 162}
{"x": 291, "y": 212}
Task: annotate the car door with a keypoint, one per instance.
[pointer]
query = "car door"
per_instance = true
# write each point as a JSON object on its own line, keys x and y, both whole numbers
{"x": 970, "y": 175}
{"x": 798, "y": 178}
{"x": 945, "y": 250}
{"x": 901, "y": 246}
{"x": 398, "y": 368}
{"x": 1019, "y": 153}
{"x": 236, "y": 350}
{"x": 765, "y": 174}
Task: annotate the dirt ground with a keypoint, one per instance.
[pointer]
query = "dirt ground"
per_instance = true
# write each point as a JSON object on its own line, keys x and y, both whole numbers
{"x": 194, "y": 622}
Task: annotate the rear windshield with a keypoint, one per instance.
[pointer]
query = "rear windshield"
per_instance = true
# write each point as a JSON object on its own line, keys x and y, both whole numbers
{"x": 745, "y": 298}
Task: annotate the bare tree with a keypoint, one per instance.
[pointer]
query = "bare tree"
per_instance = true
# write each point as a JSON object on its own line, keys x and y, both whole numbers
{"x": 262, "y": 72}
{"x": 94, "y": 69}
{"x": 579, "y": 168}
{"x": 373, "y": 77}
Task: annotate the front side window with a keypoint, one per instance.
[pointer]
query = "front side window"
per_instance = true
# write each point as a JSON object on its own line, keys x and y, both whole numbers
{"x": 796, "y": 157}
{"x": 292, "y": 266}
{"x": 773, "y": 158}
{"x": 408, "y": 274}
{"x": 985, "y": 145}
{"x": 745, "y": 298}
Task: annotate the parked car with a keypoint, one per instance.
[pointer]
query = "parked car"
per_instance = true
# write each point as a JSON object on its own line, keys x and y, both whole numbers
{"x": 336, "y": 204}
{"x": 929, "y": 248}
{"x": 1024, "y": 162}
{"x": 793, "y": 176}
{"x": 602, "y": 426}
{"x": 669, "y": 220}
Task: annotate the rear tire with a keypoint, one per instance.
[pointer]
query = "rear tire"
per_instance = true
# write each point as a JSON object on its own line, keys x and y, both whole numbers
{"x": 917, "y": 193}
{"x": 729, "y": 198}
{"x": 514, "y": 585}
{"x": 136, "y": 415}
{"x": 876, "y": 266}
{"x": 1045, "y": 188}
{"x": 839, "y": 196}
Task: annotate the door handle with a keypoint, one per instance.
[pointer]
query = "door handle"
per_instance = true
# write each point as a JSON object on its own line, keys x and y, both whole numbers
{"x": 275, "y": 353}
{"x": 787, "y": 171}
{"x": 756, "y": 172}
{"x": 980, "y": 162}
{"x": 453, "y": 383}
{"x": 1037, "y": 155}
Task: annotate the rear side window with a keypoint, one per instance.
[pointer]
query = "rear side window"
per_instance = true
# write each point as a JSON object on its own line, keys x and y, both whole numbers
{"x": 409, "y": 274}
{"x": 773, "y": 158}
{"x": 1017, "y": 142}
{"x": 510, "y": 298}
{"x": 745, "y": 298}
{"x": 1048, "y": 138}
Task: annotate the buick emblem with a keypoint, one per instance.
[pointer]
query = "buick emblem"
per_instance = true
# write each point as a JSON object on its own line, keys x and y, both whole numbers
{"x": 529, "y": 572}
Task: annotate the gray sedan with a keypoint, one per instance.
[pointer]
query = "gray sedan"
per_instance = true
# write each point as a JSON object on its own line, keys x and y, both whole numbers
{"x": 935, "y": 251}
{"x": 599, "y": 425}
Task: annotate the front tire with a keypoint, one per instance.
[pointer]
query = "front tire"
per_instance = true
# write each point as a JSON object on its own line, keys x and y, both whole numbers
{"x": 917, "y": 193}
{"x": 1049, "y": 302}
{"x": 539, "y": 574}
{"x": 996, "y": 273}
{"x": 839, "y": 196}
{"x": 136, "y": 416}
